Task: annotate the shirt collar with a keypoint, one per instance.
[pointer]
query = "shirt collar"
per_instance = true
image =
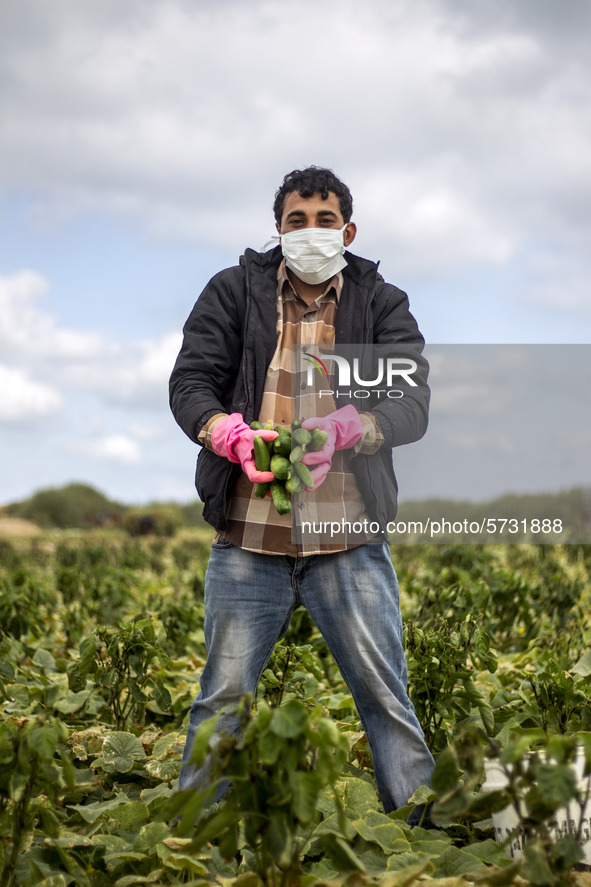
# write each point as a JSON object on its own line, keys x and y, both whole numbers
{"x": 335, "y": 283}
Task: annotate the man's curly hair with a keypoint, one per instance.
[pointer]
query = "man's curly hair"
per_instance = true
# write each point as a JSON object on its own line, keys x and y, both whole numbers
{"x": 310, "y": 181}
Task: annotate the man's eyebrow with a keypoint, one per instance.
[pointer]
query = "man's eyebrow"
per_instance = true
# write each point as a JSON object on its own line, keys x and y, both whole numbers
{"x": 299, "y": 213}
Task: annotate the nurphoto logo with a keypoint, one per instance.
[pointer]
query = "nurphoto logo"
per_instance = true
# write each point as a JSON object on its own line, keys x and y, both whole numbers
{"x": 362, "y": 380}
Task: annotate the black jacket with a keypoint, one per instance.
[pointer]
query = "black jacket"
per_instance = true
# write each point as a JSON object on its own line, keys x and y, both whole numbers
{"x": 229, "y": 340}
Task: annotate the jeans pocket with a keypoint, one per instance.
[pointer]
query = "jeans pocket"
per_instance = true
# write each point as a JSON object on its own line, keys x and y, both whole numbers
{"x": 221, "y": 543}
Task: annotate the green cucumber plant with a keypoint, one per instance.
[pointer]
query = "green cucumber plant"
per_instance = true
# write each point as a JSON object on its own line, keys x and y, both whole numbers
{"x": 121, "y": 662}
{"x": 537, "y": 783}
{"x": 32, "y": 780}
{"x": 441, "y": 667}
{"x": 278, "y": 766}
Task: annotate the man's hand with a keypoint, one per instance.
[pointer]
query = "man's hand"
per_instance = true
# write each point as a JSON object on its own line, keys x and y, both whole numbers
{"x": 232, "y": 438}
{"x": 343, "y": 428}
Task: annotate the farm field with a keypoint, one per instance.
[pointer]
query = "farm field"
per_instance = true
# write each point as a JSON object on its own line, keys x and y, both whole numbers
{"x": 101, "y": 645}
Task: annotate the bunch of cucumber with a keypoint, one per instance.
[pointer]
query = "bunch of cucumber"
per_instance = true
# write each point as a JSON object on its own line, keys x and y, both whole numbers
{"x": 283, "y": 456}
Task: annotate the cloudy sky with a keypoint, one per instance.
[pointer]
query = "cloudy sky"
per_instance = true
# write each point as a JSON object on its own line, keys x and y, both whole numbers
{"x": 141, "y": 144}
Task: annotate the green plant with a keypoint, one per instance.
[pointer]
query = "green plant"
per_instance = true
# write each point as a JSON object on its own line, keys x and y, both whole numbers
{"x": 121, "y": 663}
{"x": 32, "y": 780}
{"x": 278, "y": 768}
{"x": 441, "y": 677}
{"x": 534, "y": 786}
{"x": 287, "y": 672}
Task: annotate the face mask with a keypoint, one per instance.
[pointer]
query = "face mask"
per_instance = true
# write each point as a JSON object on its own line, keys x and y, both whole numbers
{"x": 314, "y": 254}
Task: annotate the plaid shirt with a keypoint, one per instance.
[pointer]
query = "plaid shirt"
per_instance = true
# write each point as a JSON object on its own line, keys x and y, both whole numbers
{"x": 253, "y": 523}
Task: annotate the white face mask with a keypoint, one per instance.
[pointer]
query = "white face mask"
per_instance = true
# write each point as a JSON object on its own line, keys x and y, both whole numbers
{"x": 314, "y": 254}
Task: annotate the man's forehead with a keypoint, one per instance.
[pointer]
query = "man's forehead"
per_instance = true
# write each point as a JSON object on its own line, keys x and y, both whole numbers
{"x": 294, "y": 202}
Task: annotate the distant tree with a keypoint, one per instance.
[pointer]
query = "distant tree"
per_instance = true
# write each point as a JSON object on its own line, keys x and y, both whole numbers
{"x": 156, "y": 520}
{"x": 76, "y": 505}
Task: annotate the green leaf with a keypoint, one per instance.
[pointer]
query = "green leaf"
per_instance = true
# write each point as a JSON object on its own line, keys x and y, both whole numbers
{"x": 422, "y": 795}
{"x": 402, "y": 872}
{"x": 72, "y": 702}
{"x": 86, "y": 663}
{"x": 488, "y": 718}
{"x": 446, "y": 773}
{"x": 149, "y": 836}
{"x": 171, "y": 743}
{"x": 516, "y": 750}
{"x": 556, "y": 782}
{"x": 201, "y": 742}
{"x": 131, "y": 816}
{"x": 379, "y": 829}
{"x": 213, "y": 826}
{"x": 456, "y": 862}
{"x": 44, "y": 740}
{"x": 164, "y": 770}
{"x": 583, "y": 666}
{"x": 121, "y": 750}
{"x": 160, "y": 792}
{"x": 535, "y": 868}
{"x": 136, "y": 692}
{"x": 290, "y": 720}
{"x": 162, "y": 696}
{"x": 92, "y": 812}
{"x": 305, "y": 787}
{"x": 44, "y": 660}
{"x": 270, "y": 747}
{"x": 341, "y": 854}
{"x": 357, "y": 796}
{"x": 332, "y": 826}
{"x": 228, "y": 845}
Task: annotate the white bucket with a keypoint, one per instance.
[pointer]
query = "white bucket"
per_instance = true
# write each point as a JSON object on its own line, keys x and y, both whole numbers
{"x": 566, "y": 819}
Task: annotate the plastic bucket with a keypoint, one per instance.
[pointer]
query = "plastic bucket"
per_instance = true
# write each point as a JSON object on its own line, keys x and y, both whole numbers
{"x": 566, "y": 819}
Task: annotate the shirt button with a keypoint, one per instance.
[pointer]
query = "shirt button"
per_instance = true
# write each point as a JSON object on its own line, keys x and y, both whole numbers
{"x": 305, "y": 348}
{"x": 303, "y": 386}
{"x": 300, "y": 504}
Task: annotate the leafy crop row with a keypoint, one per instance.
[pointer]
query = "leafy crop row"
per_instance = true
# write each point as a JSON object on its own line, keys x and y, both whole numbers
{"x": 101, "y": 645}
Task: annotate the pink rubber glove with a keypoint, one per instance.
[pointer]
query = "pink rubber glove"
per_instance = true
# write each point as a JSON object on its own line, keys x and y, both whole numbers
{"x": 344, "y": 429}
{"x": 232, "y": 438}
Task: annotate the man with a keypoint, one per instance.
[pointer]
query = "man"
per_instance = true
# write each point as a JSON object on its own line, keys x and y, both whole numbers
{"x": 235, "y": 366}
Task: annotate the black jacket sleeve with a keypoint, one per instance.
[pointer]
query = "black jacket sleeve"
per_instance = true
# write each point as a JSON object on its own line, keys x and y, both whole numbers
{"x": 205, "y": 371}
{"x": 404, "y": 419}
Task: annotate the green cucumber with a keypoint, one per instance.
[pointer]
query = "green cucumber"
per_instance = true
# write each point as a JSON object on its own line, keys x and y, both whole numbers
{"x": 282, "y": 444}
{"x": 260, "y": 490}
{"x": 296, "y": 423}
{"x": 261, "y": 453}
{"x": 301, "y": 436}
{"x": 305, "y": 474}
{"x": 256, "y": 426}
{"x": 295, "y": 484}
{"x": 280, "y": 467}
{"x": 319, "y": 438}
{"x": 281, "y": 500}
{"x": 296, "y": 454}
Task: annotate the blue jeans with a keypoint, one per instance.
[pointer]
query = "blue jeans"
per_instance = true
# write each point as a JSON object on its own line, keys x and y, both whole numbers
{"x": 352, "y": 596}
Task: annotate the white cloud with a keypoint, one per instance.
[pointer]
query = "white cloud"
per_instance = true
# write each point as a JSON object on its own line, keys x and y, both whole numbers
{"x": 135, "y": 372}
{"x": 23, "y": 399}
{"x": 29, "y": 332}
{"x": 464, "y": 133}
{"x": 115, "y": 448}
{"x": 158, "y": 359}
